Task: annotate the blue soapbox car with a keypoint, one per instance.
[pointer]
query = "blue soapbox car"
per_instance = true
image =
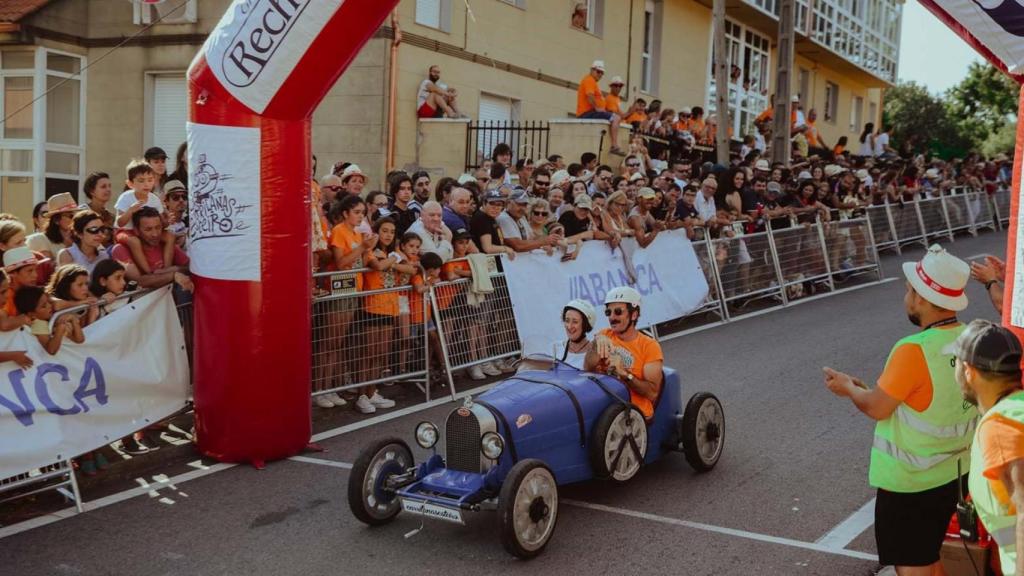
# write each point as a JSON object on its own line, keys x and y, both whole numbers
{"x": 510, "y": 448}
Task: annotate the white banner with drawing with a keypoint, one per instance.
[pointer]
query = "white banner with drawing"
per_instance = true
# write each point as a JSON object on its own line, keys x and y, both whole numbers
{"x": 131, "y": 371}
{"x": 667, "y": 274}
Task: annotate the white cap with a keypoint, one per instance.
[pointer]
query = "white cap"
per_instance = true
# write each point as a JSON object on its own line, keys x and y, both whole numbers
{"x": 805, "y": 175}
{"x": 685, "y": 110}
{"x": 862, "y": 174}
{"x": 931, "y": 173}
{"x": 796, "y": 98}
{"x": 833, "y": 170}
{"x": 762, "y": 165}
{"x": 560, "y": 177}
{"x": 352, "y": 170}
{"x": 940, "y": 278}
{"x": 466, "y": 179}
{"x": 598, "y": 65}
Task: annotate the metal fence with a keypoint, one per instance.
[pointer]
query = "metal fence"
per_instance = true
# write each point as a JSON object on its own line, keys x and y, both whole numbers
{"x": 527, "y": 139}
{"x": 59, "y": 476}
{"x": 1001, "y": 206}
{"x": 923, "y": 221}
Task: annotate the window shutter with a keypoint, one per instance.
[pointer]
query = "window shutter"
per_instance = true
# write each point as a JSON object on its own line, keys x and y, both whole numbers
{"x": 493, "y": 110}
{"x": 170, "y": 113}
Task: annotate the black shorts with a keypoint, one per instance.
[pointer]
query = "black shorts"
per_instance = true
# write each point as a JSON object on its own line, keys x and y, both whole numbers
{"x": 368, "y": 319}
{"x": 910, "y": 527}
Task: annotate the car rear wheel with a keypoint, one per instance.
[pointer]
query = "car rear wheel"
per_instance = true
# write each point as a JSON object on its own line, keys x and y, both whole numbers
{"x": 368, "y": 498}
{"x": 703, "y": 431}
{"x": 528, "y": 508}
{"x": 620, "y": 443}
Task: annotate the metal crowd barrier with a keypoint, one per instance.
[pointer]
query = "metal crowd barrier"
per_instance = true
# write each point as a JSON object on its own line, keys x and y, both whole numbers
{"x": 926, "y": 220}
{"x": 1001, "y": 206}
{"x": 59, "y": 476}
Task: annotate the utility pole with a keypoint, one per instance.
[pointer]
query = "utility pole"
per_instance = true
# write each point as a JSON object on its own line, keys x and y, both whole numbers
{"x": 721, "y": 83}
{"x": 781, "y": 147}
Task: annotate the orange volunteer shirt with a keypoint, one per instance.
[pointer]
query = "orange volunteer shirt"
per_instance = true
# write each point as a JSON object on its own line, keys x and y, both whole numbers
{"x": 381, "y": 304}
{"x": 613, "y": 104}
{"x": 588, "y": 87}
{"x": 1002, "y": 441}
{"x": 445, "y": 294}
{"x": 906, "y": 377}
{"x": 416, "y": 301}
{"x": 634, "y": 356}
{"x": 636, "y": 117}
{"x": 346, "y": 240}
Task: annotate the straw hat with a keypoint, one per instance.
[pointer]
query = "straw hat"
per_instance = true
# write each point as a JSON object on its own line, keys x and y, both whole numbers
{"x": 940, "y": 278}
{"x": 63, "y": 202}
{"x": 18, "y": 258}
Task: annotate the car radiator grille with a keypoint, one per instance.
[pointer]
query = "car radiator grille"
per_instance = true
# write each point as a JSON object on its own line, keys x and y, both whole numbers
{"x": 462, "y": 441}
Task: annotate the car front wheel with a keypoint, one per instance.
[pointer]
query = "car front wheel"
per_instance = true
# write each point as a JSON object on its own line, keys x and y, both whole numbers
{"x": 369, "y": 499}
{"x": 703, "y": 431}
{"x": 528, "y": 508}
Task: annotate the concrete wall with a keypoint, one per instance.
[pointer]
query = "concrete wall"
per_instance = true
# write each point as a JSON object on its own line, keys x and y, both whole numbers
{"x": 848, "y": 88}
{"x": 442, "y": 147}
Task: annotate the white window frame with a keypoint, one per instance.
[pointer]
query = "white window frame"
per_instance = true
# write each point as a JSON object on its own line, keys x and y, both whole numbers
{"x": 595, "y": 16}
{"x": 444, "y": 17}
{"x": 831, "y": 111}
{"x": 744, "y": 105}
{"x": 856, "y": 113}
{"x": 144, "y": 14}
{"x": 38, "y": 144}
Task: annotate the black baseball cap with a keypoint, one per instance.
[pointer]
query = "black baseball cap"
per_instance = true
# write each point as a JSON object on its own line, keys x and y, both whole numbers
{"x": 461, "y": 234}
{"x": 989, "y": 347}
{"x": 155, "y": 152}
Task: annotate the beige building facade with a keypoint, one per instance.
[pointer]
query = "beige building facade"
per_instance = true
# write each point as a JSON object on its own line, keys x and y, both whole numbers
{"x": 89, "y": 84}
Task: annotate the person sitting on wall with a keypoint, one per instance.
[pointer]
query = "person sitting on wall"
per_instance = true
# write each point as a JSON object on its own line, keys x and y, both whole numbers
{"x": 435, "y": 99}
{"x": 590, "y": 104}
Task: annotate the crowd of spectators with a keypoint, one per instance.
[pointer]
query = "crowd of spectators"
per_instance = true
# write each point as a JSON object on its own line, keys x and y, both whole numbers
{"x": 72, "y": 265}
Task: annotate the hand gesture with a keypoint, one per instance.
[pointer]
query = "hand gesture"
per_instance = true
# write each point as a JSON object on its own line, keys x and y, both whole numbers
{"x": 184, "y": 281}
{"x": 603, "y": 346}
{"x": 137, "y": 206}
{"x": 22, "y": 360}
{"x": 985, "y": 273}
{"x": 370, "y": 241}
{"x": 838, "y": 383}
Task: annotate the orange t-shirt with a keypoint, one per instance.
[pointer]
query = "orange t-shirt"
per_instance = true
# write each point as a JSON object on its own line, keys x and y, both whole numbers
{"x": 765, "y": 115}
{"x": 812, "y": 135}
{"x": 633, "y": 356}
{"x": 9, "y": 304}
{"x": 906, "y": 377}
{"x": 636, "y": 117}
{"x": 445, "y": 294}
{"x": 839, "y": 149}
{"x": 347, "y": 240}
{"x": 1002, "y": 441}
{"x": 613, "y": 104}
{"x": 382, "y": 304}
{"x": 416, "y": 301}
{"x": 588, "y": 87}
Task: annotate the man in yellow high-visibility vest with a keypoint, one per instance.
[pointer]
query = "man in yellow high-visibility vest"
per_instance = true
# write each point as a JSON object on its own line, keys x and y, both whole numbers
{"x": 924, "y": 427}
{"x": 989, "y": 373}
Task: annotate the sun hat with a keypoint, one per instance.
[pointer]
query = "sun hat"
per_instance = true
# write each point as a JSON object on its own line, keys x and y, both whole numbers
{"x": 647, "y": 193}
{"x": 616, "y": 81}
{"x": 804, "y": 175}
{"x": 988, "y": 347}
{"x": 796, "y": 99}
{"x": 63, "y": 202}
{"x": 598, "y": 65}
{"x": 833, "y": 170}
{"x": 174, "y": 186}
{"x": 466, "y": 179}
{"x": 939, "y": 278}
{"x": 762, "y": 165}
{"x": 18, "y": 258}
{"x": 350, "y": 171}
{"x": 862, "y": 174}
{"x": 773, "y": 188}
{"x": 583, "y": 201}
{"x": 560, "y": 177}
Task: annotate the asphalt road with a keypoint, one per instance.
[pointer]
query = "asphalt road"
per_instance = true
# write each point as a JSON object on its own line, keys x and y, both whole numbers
{"x": 793, "y": 473}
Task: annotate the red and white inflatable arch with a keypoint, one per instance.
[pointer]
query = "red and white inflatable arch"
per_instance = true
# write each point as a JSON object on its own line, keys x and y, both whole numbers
{"x": 252, "y": 89}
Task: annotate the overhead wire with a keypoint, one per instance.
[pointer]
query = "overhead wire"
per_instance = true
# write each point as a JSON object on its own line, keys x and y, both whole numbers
{"x": 77, "y": 75}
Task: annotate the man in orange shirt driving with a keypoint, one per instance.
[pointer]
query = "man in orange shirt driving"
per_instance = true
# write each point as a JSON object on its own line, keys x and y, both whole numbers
{"x": 590, "y": 104}
{"x": 626, "y": 353}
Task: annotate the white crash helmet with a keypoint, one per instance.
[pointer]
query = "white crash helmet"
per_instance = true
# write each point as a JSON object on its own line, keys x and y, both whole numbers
{"x": 583, "y": 307}
{"x": 624, "y": 295}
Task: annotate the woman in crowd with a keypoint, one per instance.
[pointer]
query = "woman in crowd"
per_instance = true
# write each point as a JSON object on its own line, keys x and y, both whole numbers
{"x": 87, "y": 249}
{"x": 376, "y": 206}
{"x": 729, "y": 198}
{"x": 615, "y": 218}
{"x": 12, "y": 235}
{"x": 181, "y": 165}
{"x": 39, "y": 217}
{"x": 620, "y": 183}
{"x": 818, "y": 173}
{"x": 578, "y": 318}
{"x": 444, "y": 188}
{"x": 98, "y": 190}
{"x": 866, "y": 149}
{"x": 58, "y": 232}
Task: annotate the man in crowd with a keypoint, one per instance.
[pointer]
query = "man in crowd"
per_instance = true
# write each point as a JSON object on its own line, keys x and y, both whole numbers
{"x": 613, "y": 101}
{"x": 175, "y": 215}
{"x": 602, "y": 181}
{"x": 353, "y": 180}
{"x": 816, "y": 144}
{"x": 590, "y": 104}
{"x": 988, "y": 371}
{"x": 435, "y": 99}
{"x": 682, "y": 170}
{"x": 420, "y": 191}
{"x": 541, "y": 183}
{"x": 524, "y": 171}
{"x": 923, "y": 426}
{"x": 330, "y": 188}
{"x": 515, "y": 226}
{"x": 705, "y": 204}
{"x": 149, "y": 226}
{"x": 434, "y": 235}
{"x": 459, "y": 210}
{"x": 484, "y": 226}
{"x": 557, "y": 161}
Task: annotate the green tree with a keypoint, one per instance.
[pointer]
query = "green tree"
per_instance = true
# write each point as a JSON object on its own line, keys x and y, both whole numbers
{"x": 914, "y": 115}
{"x": 983, "y": 102}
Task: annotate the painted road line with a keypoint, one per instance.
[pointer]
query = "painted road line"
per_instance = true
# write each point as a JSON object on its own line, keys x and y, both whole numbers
{"x": 322, "y": 462}
{"x": 146, "y": 488}
{"x": 814, "y": 547}
{"x": 849, "y": 529}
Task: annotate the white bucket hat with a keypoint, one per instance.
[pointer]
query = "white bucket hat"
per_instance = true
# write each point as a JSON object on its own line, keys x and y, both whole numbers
{"x": 940, "y": 278}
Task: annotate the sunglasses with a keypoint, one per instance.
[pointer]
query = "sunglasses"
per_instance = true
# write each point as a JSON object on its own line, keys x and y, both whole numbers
{"x": 176, "y": 197}
{"x": 633, "y": 164}
{"x": 98, "y": 229}
{"x": 334, "y": 188}
{"x": 540, "y": 183}
{"x": 536, "y": 213}
{"x": 614, "y": 312}
{"x": 496, "y": 203}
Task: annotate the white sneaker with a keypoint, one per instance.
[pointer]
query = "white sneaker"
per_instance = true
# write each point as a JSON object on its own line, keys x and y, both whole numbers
{"x": 335, "y": 399}
{"x": 477, "y": 373}
{"x": 323, "y": 401}
{"x": 490, "y": 369}
{"x": 381, "y": 402}
{"x": 364, "y": 405}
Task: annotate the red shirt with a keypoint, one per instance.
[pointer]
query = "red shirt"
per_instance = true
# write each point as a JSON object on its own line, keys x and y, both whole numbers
{"x": 154, "y": 255}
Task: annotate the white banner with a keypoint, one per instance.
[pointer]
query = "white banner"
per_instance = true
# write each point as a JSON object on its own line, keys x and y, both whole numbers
{"x": 258, "y": 43}
{"x": 667, "y": 275}
{"x": 131, "y": 371}
{"x": 224, "y": 202}
{"x": 998, "y": 24}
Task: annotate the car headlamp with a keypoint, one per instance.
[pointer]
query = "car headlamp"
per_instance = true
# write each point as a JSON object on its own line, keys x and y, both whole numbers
{"x": 426, "y": 435}
{"x": 492, "y": 445}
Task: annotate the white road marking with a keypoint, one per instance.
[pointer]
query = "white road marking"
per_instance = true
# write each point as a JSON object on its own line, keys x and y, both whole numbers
{"x": 726, "y": 531}
{"x": 147, "y": 488}
{"x": 849, "y": 529}
{"x": 322, "y": 462}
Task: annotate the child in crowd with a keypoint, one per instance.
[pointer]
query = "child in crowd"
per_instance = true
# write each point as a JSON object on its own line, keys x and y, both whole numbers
{"x": 34, "y": 302}
{"x": 69, "y": 287}
{"x": 141, "y": 180}
{"x": 20, "y": 265}
{"x": 107, "y": 283}
{"x": 431, "y": 265}
{"x": 7, "y": 321}
{"x": 476, "y": 314}
{"x": 408, "y": 253}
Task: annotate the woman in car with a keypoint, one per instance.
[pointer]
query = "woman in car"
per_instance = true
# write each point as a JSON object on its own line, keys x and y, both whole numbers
{"x": 578, "y": 318}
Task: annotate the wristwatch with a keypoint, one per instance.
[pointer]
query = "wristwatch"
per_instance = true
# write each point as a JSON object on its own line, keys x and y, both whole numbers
{"x": 629, "y": 377}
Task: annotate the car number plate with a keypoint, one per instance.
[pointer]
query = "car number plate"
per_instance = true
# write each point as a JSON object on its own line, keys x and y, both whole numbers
{"x": 433, "y": 511}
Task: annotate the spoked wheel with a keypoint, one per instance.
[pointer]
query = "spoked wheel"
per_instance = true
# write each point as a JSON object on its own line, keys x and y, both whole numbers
{"x": 620, "y": 443}
{"x": 528, "y": 508}
{"x": 703, "y": 431}
{"x": 368, "y": 498}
